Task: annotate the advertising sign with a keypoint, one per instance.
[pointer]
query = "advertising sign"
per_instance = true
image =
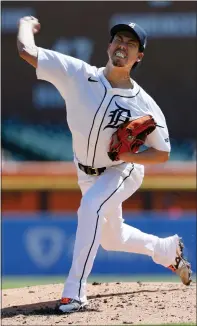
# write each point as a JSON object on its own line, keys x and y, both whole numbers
{"x": 44, "y": 246}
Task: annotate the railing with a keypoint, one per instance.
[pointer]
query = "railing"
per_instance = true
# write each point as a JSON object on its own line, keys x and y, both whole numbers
{"x": 62, "y": 175}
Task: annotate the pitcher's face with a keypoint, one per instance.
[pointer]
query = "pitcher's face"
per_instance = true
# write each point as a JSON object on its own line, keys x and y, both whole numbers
{"x": 124, "y": 50}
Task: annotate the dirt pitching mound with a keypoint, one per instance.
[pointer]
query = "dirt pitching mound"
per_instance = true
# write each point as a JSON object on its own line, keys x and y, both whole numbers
{"x": 109, "y": 304}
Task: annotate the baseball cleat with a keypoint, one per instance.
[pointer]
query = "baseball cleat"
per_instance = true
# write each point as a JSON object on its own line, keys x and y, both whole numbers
{"x": 182, "y": 267}
{"x": 68, "y": 305}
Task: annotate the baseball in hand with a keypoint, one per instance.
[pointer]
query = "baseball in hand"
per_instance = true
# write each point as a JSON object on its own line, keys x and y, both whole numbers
{"x": 33, "y": 21}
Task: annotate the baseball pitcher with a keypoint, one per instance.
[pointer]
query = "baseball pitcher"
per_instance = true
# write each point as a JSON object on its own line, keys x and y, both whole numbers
{"x": 110, "y": 116}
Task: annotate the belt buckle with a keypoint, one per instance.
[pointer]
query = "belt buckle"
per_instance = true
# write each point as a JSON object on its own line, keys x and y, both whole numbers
{"x": 95, "y": 171}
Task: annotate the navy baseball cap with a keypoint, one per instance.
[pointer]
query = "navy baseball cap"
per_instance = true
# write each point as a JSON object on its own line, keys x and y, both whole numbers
{"x": 138, "y": 31}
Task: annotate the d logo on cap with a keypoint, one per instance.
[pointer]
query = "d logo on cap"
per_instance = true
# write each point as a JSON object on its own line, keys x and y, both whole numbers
{"x": 132, "y": 25}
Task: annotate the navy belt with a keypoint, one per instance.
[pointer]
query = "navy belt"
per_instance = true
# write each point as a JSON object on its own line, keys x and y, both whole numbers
{"x": 91, "y": 171}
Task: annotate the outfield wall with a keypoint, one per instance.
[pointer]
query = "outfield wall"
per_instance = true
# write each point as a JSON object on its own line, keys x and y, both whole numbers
{"x": 43, "y": 244}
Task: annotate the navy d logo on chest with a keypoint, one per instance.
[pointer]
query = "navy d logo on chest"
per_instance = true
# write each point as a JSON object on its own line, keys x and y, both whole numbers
{"x": 118, "y": 116}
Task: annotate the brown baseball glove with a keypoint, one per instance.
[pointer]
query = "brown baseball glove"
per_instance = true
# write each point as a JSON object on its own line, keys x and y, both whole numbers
{"x": 130, "y": 136}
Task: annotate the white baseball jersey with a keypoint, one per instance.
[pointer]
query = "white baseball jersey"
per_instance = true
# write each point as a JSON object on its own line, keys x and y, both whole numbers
{"x": 95, "y": 109}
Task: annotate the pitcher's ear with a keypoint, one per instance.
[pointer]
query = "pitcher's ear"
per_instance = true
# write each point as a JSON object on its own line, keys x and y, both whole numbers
{"x": 140, "y": 57}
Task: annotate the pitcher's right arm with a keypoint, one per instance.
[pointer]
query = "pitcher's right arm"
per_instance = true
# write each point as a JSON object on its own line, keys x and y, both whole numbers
{"x": 27, "y": 49}
{"x": 61, "y": 70}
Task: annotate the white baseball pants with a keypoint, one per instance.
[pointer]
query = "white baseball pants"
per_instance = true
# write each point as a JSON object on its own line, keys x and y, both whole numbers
{"x": 100, "y": 222}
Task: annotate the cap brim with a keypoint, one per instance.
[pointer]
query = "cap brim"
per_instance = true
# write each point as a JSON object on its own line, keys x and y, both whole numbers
{"x": 123, "y": 27}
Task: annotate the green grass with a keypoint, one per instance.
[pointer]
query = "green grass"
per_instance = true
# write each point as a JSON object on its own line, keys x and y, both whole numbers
{"x": 22, "y": 281}
{"x": 179, "y": 324}
{"x": 174, "y": 324}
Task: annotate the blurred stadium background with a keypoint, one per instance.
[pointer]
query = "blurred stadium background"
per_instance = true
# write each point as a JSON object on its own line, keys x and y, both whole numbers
{"x": 40, "y": 194}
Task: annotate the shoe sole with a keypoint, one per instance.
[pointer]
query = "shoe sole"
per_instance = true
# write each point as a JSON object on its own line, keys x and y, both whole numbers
{"x": 185, "y": 274}
{"x": 82, "y": 307}
{"x": 185, "y": 271}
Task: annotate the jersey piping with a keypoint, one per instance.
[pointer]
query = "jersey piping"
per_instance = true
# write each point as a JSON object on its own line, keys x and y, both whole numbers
{"x": 97, "y": 225}
{"x": 94, "y": 120}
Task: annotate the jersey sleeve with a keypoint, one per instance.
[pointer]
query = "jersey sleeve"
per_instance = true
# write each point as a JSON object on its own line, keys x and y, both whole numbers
{"x": 57, "y": 68}
{"x": 159, "y": 138}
